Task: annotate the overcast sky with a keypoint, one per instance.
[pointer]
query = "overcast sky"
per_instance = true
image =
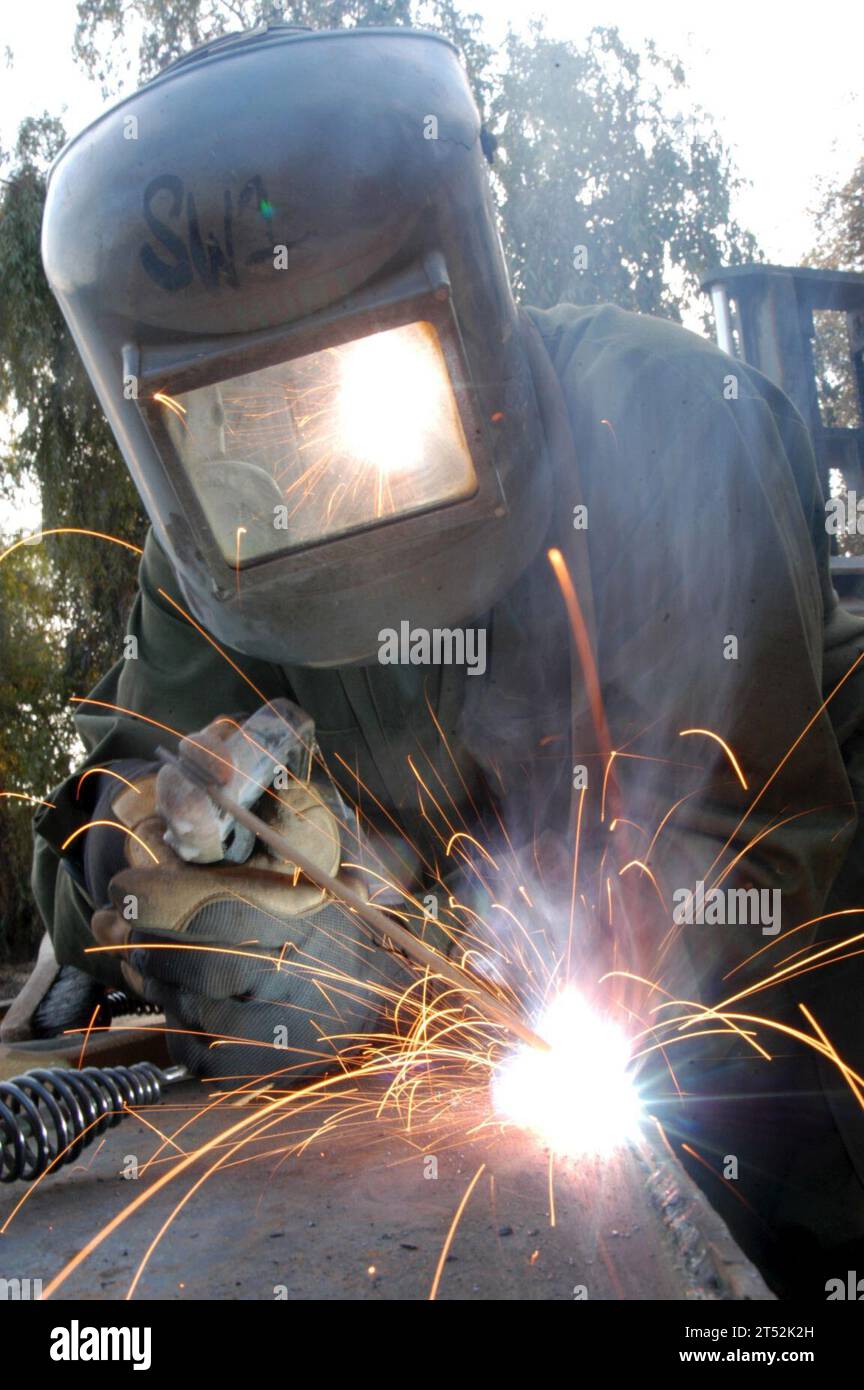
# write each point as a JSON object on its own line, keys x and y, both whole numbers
{"x": 784, "y": 89}
{"x": 782, "y": 81}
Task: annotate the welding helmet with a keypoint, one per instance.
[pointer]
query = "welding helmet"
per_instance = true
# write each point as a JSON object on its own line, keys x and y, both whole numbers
{"x": 280, "y": 263}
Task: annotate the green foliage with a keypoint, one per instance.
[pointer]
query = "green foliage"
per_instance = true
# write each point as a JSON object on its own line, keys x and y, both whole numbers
{"x": 840, "y": 225}
{"x": 62, "y": 441}
{"x": 839, "y": 245}
{"x": 593, "y": 156}
{"x": 36, "y": 732}
{"x": 63, "y": 603}
{"x": 835, "y": 381}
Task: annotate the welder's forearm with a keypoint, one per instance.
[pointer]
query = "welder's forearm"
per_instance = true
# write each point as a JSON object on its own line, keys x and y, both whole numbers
{"x": 102, "y": 848}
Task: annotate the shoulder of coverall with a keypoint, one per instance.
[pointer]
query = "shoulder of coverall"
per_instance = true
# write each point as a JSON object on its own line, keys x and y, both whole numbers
{"x": 585, "y": 336}
{"x": 603, "y": 349}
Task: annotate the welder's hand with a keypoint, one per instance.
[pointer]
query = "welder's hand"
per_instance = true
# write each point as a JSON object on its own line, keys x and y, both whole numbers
{"x": 243, "y": 757}
{"x": 192, "y": 819}
{"x": 257, "y": 970}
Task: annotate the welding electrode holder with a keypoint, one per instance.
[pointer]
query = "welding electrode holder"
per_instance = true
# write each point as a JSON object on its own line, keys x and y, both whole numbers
{"x": 48, "y": 1115}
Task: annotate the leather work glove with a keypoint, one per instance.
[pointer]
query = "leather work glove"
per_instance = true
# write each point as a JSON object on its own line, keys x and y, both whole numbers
{"x": 257, "y": 970}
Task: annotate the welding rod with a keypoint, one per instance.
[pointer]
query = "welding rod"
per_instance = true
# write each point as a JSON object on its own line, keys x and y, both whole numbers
{"x": 377, "y": 922}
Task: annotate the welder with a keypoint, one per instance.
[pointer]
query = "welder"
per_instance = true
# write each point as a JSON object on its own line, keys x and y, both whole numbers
{"x": 280, "y": 263}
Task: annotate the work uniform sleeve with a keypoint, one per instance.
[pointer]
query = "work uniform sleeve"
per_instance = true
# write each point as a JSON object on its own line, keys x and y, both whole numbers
{"x": 173, "y": 680}
{"x": 714, "y": 610}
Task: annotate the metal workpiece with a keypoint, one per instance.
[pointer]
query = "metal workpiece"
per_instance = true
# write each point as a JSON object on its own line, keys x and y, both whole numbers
{"x": 364, "y": 1212}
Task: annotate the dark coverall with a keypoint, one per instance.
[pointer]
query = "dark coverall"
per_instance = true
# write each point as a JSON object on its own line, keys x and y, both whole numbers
{"x": 705, "y": 522}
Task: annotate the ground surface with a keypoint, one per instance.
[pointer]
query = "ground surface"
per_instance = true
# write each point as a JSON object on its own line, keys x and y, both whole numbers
{"x": 356, "y": 1217}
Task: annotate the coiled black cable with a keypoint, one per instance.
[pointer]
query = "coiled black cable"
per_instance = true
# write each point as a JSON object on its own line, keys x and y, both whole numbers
{"x": 48, "y": 1115}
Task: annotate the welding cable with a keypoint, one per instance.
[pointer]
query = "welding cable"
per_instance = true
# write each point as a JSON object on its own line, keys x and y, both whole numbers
{"x": 49, "y": 1115}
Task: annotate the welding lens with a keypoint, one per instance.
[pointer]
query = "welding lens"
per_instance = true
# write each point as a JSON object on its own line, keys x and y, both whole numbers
{"x": 323, "y": 445}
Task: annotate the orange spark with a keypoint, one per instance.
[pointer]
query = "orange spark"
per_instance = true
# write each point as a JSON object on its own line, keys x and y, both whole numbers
{"x": 445, "y": 1249}
{"x": 638, "y": 864}
{"x": 713, "y": 1171}
{"x": 823, "y": 917}
{"x": 726, "y": 749}
{"x": 111, "y": 824}
{"x": 108, "y": 772}
{"x": 583, "y": 648}
{"x": 86, "y": 1037}
{"x": 463, "y": 835}
{"x": 33, "y": 800}
{"x": 786, "y": 756}
{"x": 575, "y": 876}
{"x": 164, "y": 399}
{"x": 72, "y": 531}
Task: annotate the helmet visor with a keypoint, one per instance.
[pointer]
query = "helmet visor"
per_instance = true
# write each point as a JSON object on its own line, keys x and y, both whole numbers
{"x": 322, "y": 445}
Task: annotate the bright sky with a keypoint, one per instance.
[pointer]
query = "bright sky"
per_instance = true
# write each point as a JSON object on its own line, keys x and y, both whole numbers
{"x": 785, "y": 92}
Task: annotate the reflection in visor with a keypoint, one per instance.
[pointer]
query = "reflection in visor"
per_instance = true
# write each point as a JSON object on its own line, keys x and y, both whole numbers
{"x": 324, "y": 444}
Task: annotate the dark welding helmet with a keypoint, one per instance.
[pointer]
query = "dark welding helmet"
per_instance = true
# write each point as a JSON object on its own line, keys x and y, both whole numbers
{"x": 280, "y": 263}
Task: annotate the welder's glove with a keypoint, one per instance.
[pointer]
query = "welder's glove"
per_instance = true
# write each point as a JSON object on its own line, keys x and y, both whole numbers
{"x": 240, "y": 757}
{"x": 258, "y": 972}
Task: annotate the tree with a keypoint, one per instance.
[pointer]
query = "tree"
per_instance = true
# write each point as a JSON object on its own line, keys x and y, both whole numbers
{"x": 36, "y": 734}
{"x": 839, "y": 245}
{"x": 605, "y": 193}
{"x": 63, "y": 602}
{"x": 839, "y": 225}
{"x": 62, "y": 441}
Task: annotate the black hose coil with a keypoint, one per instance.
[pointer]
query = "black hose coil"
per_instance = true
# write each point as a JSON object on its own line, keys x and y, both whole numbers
{"x": 50, "y": 1114}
